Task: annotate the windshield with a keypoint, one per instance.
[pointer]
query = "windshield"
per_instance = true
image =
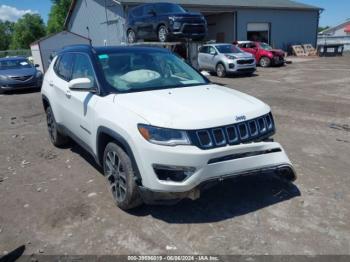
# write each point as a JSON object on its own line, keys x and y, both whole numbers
{"x": 228, "y": 49}
{"x": 15, "y": 64}
{"x": 169, "y": 8}
{"x": 147, "y": 70}
{"x": 265, "y": 46}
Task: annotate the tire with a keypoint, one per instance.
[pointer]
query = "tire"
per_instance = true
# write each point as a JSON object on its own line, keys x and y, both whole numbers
{"x": 131, "y": 35}
{"x": 265, "y": 61}
{"x": 57, "y": 138}
{"x": 162, "y": 34}
{"x": 2, "y": 91}
{"x": 220, "y": 70}
{"x": 118, "y": 169}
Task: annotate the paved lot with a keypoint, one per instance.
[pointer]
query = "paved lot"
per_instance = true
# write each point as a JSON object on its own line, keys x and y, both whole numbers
{"x": 56, "y": 201}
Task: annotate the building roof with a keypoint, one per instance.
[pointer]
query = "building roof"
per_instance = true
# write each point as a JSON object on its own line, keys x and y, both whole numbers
{"x": 51, "y": 35}
{"x": 275, "y": 4}
{"x": 334, "y": 28}
{"x": 280, "y": 4}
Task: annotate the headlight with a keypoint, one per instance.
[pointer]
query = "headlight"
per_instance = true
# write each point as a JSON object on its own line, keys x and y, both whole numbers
{"x": 176, "y": 25}
{"x": 164, "y": 136}
{"x": 39, "y": 74}
{"x": 231, "y": 57}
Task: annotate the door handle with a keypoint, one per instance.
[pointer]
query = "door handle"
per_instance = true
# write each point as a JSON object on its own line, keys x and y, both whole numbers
{"x": 51, "y": 83}
{"x": 68, "y": 94}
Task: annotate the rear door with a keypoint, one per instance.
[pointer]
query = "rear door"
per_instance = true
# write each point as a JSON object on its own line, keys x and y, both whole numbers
{"x": 59, "y": 82}
{"x": 80, "y": 104}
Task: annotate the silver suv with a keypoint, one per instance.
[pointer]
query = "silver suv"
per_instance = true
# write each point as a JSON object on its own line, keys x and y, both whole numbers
{"x": 225, "y": 59}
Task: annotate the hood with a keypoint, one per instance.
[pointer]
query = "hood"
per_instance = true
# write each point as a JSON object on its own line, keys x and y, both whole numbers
{"x": 242, "y": 55}
{"x": 18, "y": 72}
{"x": 194, "y": 107}
{"x": 185, "y": 15}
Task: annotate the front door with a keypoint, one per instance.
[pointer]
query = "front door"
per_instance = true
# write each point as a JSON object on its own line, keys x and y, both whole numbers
{"x": 80, "y": 104}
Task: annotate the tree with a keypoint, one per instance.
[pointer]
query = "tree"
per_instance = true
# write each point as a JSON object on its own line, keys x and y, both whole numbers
{"x": 322, "y": 28}
{"x": 6, "y": 31}
{"x": 26, "y": 30}
{"x": 57, "y": 16}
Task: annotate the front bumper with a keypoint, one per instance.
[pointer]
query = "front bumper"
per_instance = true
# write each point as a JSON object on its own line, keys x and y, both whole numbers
{"x": 213, "y": 164}
{"x": 278, "y": 60}
{"x": 195, "y": 31}
{"x": 20, "y": 85}
{"x": 232, "y": 66}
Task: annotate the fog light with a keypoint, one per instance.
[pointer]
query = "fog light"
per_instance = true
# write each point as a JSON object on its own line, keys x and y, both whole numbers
{"x": 231, "y": 66}
{"x": 173, "y": 173}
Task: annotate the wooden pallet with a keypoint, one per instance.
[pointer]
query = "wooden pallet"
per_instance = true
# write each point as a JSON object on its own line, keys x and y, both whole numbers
{"x": 310, "y": 50}
{"x": 298, "y": 50}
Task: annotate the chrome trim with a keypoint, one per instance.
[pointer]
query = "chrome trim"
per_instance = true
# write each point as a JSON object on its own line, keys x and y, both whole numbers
{"x": 239, "y": 131}
{"x": 256, "y": 127}
{"x": 236, "y": 133}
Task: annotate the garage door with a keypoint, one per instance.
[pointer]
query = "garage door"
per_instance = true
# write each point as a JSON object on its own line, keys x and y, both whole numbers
{"x": 258, "y": 32}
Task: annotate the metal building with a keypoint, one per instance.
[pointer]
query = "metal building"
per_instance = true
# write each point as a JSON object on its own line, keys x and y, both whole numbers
{"x": 279, "y": 22}
{"x": 47, "y": 46}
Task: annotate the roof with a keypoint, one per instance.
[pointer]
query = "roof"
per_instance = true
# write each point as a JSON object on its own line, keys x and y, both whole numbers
{"x": 51, "y": 35}
{"x": 111, "y": 49}
{"x": 275, "y": 4}
{"x": 283, "y": 4}
{"x": 334, "y": 28}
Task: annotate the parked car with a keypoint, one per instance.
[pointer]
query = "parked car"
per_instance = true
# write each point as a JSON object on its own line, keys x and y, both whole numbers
{"x": 18, "y": 73}
{"x": 225, "y": 59}
{"x": 159, "y": 129}
{"x": 264, "y": 54}
{"x": 164, "y": 22}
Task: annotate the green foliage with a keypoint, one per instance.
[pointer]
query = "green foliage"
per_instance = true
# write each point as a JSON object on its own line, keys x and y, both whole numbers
{"x": 26, "y": 30}
{"x": 322, "y": 28}
{"x": 6, "y": 30}
{"x": 57, "y": 16}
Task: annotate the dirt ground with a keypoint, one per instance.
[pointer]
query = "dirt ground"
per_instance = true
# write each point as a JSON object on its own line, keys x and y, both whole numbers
{"x": 55, "y": 201}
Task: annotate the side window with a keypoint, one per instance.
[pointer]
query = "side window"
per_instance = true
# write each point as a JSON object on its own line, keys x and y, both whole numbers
{"x": 137, "y": 11}
{"x": 64, "y": 67}
{"x": 147, "y": 9}
{"x": 83, "y": 68}
{"x": 204, "y": 50}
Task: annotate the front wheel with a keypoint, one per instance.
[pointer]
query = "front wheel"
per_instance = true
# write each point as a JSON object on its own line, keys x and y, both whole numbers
{"x": 265, "y": 62}
{"x": 220, "y": 70}
{"x": 120, "y": 174}
{"x": 163, "y": 34}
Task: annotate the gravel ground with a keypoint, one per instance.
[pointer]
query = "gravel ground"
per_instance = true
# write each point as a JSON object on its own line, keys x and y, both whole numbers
{"x": 55, "y": 201}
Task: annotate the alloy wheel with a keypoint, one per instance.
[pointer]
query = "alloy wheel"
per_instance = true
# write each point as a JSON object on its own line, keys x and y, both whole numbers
{"x": 116, "y": 176}
{"x": 162, "y": 34}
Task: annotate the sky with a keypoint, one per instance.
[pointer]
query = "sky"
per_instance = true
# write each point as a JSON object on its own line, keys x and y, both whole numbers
{"x": 336, "y": 11}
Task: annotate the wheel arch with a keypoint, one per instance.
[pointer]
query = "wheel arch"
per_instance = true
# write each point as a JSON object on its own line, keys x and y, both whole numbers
{"x": 45, "y": 102}
{"x": 104, "y": 136}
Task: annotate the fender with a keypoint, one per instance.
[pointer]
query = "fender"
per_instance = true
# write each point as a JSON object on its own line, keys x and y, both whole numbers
{"x": 121, "y": 141}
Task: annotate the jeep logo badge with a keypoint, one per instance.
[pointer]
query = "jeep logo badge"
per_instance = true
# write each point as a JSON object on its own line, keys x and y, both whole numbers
{"x": 241, "y": 118}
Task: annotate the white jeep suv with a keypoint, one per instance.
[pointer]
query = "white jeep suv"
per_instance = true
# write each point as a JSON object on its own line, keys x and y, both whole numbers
{"x": 160, "y": 130}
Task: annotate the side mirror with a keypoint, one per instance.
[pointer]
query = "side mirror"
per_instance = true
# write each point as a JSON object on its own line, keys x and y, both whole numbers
{"x": 81, "y": 84}
{"x": 212, "y": 52}
{"x": 36, "y": 65}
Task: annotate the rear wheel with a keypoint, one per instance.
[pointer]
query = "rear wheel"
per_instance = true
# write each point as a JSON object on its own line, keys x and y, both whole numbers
{"x": 220, "y": 70}
{"x": 57, "y": 138}
{"x": 163, "y": 33}
{"x": 131, "y": 36}
{"x": 119, "y": 172}
{"x": 265, "y": 61}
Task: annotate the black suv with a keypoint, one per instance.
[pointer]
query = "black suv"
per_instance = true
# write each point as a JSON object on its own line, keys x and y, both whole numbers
{"x": 164, "y": 22}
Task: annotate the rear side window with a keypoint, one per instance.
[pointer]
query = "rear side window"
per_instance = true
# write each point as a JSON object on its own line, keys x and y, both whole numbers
{"x": 64, "y": 66}
{"x": 147, "y": 9}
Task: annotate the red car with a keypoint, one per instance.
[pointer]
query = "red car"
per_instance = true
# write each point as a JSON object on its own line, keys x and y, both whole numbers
{"x": 264, "y": 54}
